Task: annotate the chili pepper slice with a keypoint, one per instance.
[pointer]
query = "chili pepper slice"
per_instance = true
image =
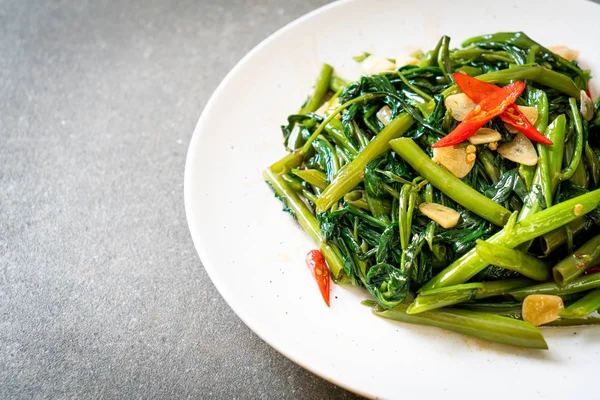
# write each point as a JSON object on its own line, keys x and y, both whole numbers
{"x": 516, "y": 118}
{"x": 488, "y": 108}
{"x": 318, "y": 268}
{"x": 587, "y": 90}
{"x": 592, "y": 270}
{"x": 477, "y": 90}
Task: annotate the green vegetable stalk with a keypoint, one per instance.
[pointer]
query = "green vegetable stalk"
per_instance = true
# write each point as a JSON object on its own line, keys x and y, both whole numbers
{"x": 558, "y": 237}
{"x": 514, "y": 260}
{"x": 568, "y": 172}
{"x": 443, "y": 58}
{"x": 539, "y": 99}
{"x": 321, "y": 89}
{"x": 486, "y": 158}
{"x": 450, "y": 185}
{"x": 353, "y": 183}
{"x": 524, "y": 42}
{"x": 357, "y": 198}
{"x": 533, "y": 72}
{"x": 472, "y": 323}
{"x": 337, "y": 84}
{"x": 513, "y": 235}
{"x": 291, "y": 160}
{"x": 352, "y": 174}
{"x": 335, "y": 129}
{"x": 313, "y": 176}
{"x": 328, "y": 156}
{"x": 593, "y": 164}
{"x": 578, "y": 262}
{"x": 451, "y": 295}
{"x": 578, "y": 285}
{"x": 514, "y": 310}
{"x": 547, "y": 173}
{"x": 583, "y": 307}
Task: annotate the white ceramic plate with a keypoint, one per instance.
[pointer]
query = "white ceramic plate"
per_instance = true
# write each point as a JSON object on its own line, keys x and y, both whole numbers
{"x": 254, "y": 253}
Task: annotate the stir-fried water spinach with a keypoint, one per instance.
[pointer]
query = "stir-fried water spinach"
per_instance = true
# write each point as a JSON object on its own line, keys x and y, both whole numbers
{"x": 461, "y": 236}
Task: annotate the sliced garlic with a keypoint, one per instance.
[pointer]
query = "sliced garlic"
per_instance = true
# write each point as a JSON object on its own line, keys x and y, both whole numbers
{"x": 565, "y": 52}
{"x": 406, "y": 59}
{"x": 539, "y": 309}
{"x": 455, "y": 159}
{"x": 375, "y": 64}
{"x": 586, "y": 106}
{"x": 520, "y": 150}
{"x": 531, "y": 113}
{"x": 485, "y": 135}
{"x": 445, "y": 216}
{"x": 328, "y": 107}
{"x": 459, "y": 105}
{"x": 384, "y": 115}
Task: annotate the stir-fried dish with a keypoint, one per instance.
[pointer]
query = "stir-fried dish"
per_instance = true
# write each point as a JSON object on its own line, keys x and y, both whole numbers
{"x": 460, "y": 190}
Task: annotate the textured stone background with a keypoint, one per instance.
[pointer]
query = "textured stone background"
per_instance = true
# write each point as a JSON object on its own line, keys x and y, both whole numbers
{"x": 102, "y": 294}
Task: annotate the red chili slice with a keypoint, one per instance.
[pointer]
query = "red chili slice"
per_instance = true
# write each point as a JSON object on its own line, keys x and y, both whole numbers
{"x": 592, "y": 270}
{"x": 474, "y": 88}
{"x": 318, "y": 267}
{"x": 488, "y": 108}
{"x": 477, "y": 90}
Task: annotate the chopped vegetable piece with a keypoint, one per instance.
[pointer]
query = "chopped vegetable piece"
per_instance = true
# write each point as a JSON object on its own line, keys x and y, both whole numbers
{"x": 455, "y": 160}
{"x": 539, "y": 309}
{"x": 318, "y": 268}
{"x": 445, "y": 216}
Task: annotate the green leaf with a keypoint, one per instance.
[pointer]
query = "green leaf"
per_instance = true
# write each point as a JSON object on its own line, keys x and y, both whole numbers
{"x": 388, "y": 284}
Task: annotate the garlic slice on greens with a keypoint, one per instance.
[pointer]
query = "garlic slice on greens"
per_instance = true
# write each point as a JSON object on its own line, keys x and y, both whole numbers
{"x": 446, "y": 217}
{"x": 520, "y": 150}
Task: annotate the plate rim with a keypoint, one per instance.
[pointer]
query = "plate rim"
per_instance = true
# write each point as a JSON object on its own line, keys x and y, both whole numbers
{"x": 191, "y": 155}
{"x": 188, "y": 175}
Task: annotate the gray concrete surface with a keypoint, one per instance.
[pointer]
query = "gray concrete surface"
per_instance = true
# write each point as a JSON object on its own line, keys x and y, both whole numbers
{"x": 102, "y": 294}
